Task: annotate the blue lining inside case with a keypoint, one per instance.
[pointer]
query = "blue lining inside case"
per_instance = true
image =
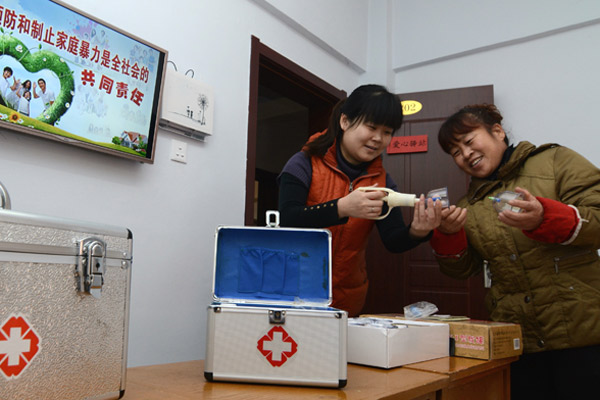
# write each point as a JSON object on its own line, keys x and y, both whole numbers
{"x": 273, "y": 265}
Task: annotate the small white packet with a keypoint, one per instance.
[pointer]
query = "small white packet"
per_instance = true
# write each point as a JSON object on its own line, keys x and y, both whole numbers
{"x": 420, "y": 309}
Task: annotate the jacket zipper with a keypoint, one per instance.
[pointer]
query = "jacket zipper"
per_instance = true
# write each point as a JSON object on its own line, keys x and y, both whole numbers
{"x": 487, "y": 275}
{"x": 558, "y": 259}
{"x": 351, "y": 188}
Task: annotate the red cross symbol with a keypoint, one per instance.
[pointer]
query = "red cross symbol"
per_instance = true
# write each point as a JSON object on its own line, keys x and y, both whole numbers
{"x": 277, "y": 346}
{"x": 19, "y": 344}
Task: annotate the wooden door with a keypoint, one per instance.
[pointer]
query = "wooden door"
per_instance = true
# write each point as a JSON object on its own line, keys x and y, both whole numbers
{"x": 397, "y": 280}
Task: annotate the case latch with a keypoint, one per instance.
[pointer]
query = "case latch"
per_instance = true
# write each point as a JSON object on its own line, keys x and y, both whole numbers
{"x": 277, "y": 317}
{"x": 91, "y": 266}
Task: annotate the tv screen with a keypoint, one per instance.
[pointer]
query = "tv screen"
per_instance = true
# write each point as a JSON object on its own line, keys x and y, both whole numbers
{"x": 71, "y": 77}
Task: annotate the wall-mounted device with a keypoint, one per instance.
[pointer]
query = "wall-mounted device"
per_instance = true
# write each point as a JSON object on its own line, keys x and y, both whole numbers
{"x": 187, "y": 106}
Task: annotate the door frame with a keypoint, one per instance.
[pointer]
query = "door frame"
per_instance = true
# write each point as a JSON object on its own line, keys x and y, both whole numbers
{"x": 262, "y": 57}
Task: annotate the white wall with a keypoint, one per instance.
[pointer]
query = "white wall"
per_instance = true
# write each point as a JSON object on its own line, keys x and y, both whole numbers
{"x": 430, "y": 29}
{"x": 339, "y": 26}
{"x": 171, "y": 208}
{"x": 541, "y": 56}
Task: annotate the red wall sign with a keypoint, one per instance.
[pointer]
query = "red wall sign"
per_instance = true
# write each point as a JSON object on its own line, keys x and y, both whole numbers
{"x": 408, "y": 144}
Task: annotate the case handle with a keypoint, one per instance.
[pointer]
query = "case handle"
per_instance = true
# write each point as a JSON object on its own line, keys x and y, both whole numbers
{"x": 4, "y": 197}
{"x": 272, "y": 214}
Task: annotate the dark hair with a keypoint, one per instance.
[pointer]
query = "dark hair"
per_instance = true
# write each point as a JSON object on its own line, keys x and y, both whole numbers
{"x": 9, "y": 69}
{"x": 368, "y": 103}
{"x": 25, "y": 84}
{"x": 41, "y": 80}
{"x": 466, "y": 120}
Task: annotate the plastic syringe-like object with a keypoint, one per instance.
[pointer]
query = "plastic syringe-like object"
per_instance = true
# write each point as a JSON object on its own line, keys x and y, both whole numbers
{"x": 397, "y": 199}
{"x": 500, "y": 201}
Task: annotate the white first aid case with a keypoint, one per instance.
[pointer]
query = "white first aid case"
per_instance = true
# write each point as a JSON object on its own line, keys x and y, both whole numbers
{"x": 64, "y": 308}
{"x": 270, "y": 320}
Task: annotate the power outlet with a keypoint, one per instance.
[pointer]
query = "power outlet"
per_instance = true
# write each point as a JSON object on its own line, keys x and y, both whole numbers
{"x": 179, "y": 151}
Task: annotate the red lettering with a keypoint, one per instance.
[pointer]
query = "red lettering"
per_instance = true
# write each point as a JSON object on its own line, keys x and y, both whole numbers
{"x": 121, "y": 89}
{"x": 116, "y": 63}
{"x": 125, "y": 66}
{"x": 106, "y": 84}
{"x": 73, "y": 45}
{"x": 37, "y": 29}
{"x": 24, "y": 24}
{"x": 48, "y": 36}
{"x": 135, "y": 71}
{"x": 95, "y": 54}
{"x": 105, "y": 58}
{"x": 87, "y": 76}
{"x": 144, "y": 73}
{"x": 61, "y": 40}
{"x": 10, "y": 19}
{"x": 84, "y": 49}
{"x": 137, "y": 96}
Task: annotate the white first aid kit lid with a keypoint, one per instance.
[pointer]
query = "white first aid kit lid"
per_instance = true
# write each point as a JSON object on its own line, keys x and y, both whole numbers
{"x": 272, "y": 266}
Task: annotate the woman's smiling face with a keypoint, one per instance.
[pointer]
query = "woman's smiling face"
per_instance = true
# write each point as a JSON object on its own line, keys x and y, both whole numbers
{"x": 479, "y": 152}
{"x": 363, "y": 142}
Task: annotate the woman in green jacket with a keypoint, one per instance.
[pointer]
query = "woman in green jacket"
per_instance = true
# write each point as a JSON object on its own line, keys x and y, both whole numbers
{"x": 539, "y": 251}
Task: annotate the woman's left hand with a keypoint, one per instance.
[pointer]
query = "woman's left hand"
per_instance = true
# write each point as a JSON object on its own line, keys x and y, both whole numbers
{"x": 531, "y": 215}
{"x": 425, "y": 219}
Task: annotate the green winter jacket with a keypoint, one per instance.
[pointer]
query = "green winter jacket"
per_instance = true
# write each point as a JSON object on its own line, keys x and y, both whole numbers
{"x": 551, "y": 290}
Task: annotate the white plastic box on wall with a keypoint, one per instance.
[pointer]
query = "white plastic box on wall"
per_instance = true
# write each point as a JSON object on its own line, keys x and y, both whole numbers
{"x": 387, "y": 344}
{"x": 187, "y": 106}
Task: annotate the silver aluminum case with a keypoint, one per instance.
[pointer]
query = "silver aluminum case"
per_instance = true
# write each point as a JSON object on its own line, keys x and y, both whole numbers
{"x": 234, "y": 327}
{"x": 83, "y": 339}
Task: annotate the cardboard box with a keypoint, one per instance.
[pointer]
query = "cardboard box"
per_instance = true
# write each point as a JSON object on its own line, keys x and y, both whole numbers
{"x": 386, "y": 343}
{"x": 485, "y": 340}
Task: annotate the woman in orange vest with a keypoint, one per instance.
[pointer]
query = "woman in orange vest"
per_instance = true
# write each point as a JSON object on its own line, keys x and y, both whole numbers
{"x": 317, "y": 189}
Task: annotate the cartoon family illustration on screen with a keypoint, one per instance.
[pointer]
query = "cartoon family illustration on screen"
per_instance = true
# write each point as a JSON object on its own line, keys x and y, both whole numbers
{"x": 17, "y": 95}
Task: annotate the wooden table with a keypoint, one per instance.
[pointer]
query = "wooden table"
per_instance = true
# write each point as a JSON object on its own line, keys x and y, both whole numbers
{"x": 447, "y": 378}
{"x": 185, "y": 380}
{"x": 470, "y": 378}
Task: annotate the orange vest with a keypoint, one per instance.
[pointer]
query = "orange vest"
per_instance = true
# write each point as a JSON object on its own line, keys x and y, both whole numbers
{"x": 349, "y": 240}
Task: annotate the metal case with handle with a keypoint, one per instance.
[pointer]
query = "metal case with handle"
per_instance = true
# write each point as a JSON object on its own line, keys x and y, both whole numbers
{"x": 270, "y": 319}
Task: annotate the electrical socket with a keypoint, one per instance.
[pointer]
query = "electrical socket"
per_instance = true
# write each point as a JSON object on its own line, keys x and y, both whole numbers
{"x": 179, "y": 151}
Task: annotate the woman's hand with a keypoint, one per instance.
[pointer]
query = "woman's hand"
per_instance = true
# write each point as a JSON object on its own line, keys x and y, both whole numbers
{"x": 453, "y": 220}
{"x": 425, "y": 219}
{"x": 360, "y": 204}
{"x": 529, "y": 218}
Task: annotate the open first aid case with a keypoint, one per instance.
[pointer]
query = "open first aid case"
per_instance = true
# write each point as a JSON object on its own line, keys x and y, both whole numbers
{"x": 270, "y": 320}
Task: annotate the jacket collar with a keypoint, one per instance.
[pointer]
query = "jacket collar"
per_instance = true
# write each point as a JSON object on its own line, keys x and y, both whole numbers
{"x": 330, "y": 158}
{"x": 481, "y": 187}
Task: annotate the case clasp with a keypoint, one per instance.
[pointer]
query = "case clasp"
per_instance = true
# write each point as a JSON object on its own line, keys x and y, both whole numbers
{"x": 91, "y": 266}
{"x": 277, "y": 317}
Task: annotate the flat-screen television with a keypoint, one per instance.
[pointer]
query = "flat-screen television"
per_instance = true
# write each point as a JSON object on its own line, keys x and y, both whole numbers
{"x": 70, "y": 77}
